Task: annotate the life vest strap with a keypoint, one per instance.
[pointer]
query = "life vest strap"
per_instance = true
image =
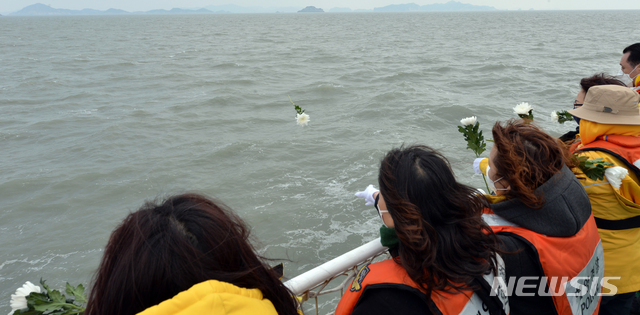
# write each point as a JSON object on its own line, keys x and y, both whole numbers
{"x": 625, "y": 224}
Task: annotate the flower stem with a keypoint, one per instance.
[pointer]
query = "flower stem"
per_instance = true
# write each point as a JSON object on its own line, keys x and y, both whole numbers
{"x": 486, "y": 184}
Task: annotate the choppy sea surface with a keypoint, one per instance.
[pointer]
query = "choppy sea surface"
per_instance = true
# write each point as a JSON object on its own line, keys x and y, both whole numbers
{"x": 99, "y": 114}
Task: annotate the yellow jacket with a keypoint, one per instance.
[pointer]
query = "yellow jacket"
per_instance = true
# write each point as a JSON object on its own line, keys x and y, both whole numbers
{"x": 214, "y": 297}
{"x": 621, "y": 247}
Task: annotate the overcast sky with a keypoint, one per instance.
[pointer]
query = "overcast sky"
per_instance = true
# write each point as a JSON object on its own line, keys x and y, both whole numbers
{"x": 7, "y": 6}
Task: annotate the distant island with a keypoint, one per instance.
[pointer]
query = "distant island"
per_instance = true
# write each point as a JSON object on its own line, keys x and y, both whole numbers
{"x": 311, "y": 9}
{"x": 449, "y": 6}
{"x": 40, "y": 9}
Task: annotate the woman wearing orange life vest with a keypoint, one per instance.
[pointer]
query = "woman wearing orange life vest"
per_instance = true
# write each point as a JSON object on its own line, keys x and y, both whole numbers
{"x": 541, "y": 212}
{"x": 446, "y": 259}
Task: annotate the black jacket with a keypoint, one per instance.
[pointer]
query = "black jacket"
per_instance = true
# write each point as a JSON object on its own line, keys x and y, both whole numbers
{"x": 565, "y": 210}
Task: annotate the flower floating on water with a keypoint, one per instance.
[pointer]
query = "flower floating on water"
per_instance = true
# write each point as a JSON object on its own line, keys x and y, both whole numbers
{"x": 302, "y": 119}
{"x": 470, "y": 129}
{"x": 469, "y": 121}
{"x": 19, "y": 299}
{"x": 615, "y": 175}
{"x": 561, "y": 116}
{"x": 29, "y": 299}
{"x": 524, "y": 110}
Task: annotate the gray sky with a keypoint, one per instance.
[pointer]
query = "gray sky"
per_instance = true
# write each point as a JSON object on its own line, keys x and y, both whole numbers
{"x": 145, "y": 5}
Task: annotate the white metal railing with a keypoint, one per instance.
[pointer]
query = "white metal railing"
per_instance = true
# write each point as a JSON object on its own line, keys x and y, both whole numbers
{"x": 344, "y": 265}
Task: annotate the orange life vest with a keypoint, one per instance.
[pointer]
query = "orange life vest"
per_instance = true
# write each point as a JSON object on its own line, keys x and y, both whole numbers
{"x": 569, "y": 263}
{"x": 624, "y": 148}
{"x": 389, "y": 272}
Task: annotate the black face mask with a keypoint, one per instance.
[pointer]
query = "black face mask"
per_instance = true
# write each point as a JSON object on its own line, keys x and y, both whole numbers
{"x": 577, "y": 120}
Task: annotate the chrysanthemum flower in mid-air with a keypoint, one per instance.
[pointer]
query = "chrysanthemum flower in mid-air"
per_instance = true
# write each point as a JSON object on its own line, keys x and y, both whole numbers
{"x": 303, "y": 119}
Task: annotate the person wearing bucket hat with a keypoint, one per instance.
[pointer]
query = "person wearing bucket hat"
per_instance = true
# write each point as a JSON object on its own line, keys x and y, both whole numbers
{"x": 585, "y": 85}
{"x": 610, "y": 130}
{"x": 611, "y": 105}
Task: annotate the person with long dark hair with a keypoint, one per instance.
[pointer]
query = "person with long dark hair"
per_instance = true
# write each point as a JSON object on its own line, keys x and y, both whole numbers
{"x": 187, "y": 254}
{"x": 446, "y": 258}
{"x": 541, "y": 213}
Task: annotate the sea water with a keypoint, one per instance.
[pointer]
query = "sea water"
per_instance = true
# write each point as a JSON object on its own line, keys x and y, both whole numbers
{"x": 100, "y": 113}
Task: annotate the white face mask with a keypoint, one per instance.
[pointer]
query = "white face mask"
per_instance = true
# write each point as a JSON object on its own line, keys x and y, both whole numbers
{"x": 625, "y": 78}
{"x": 492, "y": 183}
{"x": 380, "y": 212}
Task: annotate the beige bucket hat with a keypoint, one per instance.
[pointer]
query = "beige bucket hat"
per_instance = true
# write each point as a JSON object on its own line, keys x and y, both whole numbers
{"x": 611, "y": 105}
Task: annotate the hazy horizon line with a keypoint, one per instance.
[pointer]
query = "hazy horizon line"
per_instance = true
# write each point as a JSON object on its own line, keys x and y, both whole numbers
{"x": 301, "y": 7}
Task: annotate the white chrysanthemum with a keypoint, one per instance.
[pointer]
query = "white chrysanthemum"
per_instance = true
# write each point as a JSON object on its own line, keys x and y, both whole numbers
{"x": 19, "y": 300}
{"x": 554, "y": 116}
{"x": 615, "y": 175}
{"x": 303, "y": 119}
{"x": 469, "y": 121}
{"x": 522, "y": 109}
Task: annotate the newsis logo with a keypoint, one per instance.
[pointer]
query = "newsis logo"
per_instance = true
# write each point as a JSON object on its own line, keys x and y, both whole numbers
{"x": 576, "y": 287}
{"x": 581, "y": 291}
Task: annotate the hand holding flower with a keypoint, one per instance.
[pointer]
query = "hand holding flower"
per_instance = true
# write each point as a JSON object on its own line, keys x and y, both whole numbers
{"x": 472, "y": 134}
{"x": 475, "y": 140}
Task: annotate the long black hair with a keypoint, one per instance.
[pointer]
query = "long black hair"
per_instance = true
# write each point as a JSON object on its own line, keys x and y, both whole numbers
{"x": 164, "y": 249}
{"x": 444, "y": 243}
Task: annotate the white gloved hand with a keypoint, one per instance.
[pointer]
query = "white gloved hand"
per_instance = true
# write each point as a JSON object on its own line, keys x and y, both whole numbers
{"x": 367, "y": 194}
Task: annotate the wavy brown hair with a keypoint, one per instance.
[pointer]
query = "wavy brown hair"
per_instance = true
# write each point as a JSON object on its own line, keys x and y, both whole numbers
{"x": 165, "y": 248}
{"x": 444, "y": 242}
{"x": 527, "y": 157}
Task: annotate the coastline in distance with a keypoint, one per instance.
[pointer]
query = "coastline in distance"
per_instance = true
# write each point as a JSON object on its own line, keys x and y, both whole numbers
{"x": 40, "y": 9}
